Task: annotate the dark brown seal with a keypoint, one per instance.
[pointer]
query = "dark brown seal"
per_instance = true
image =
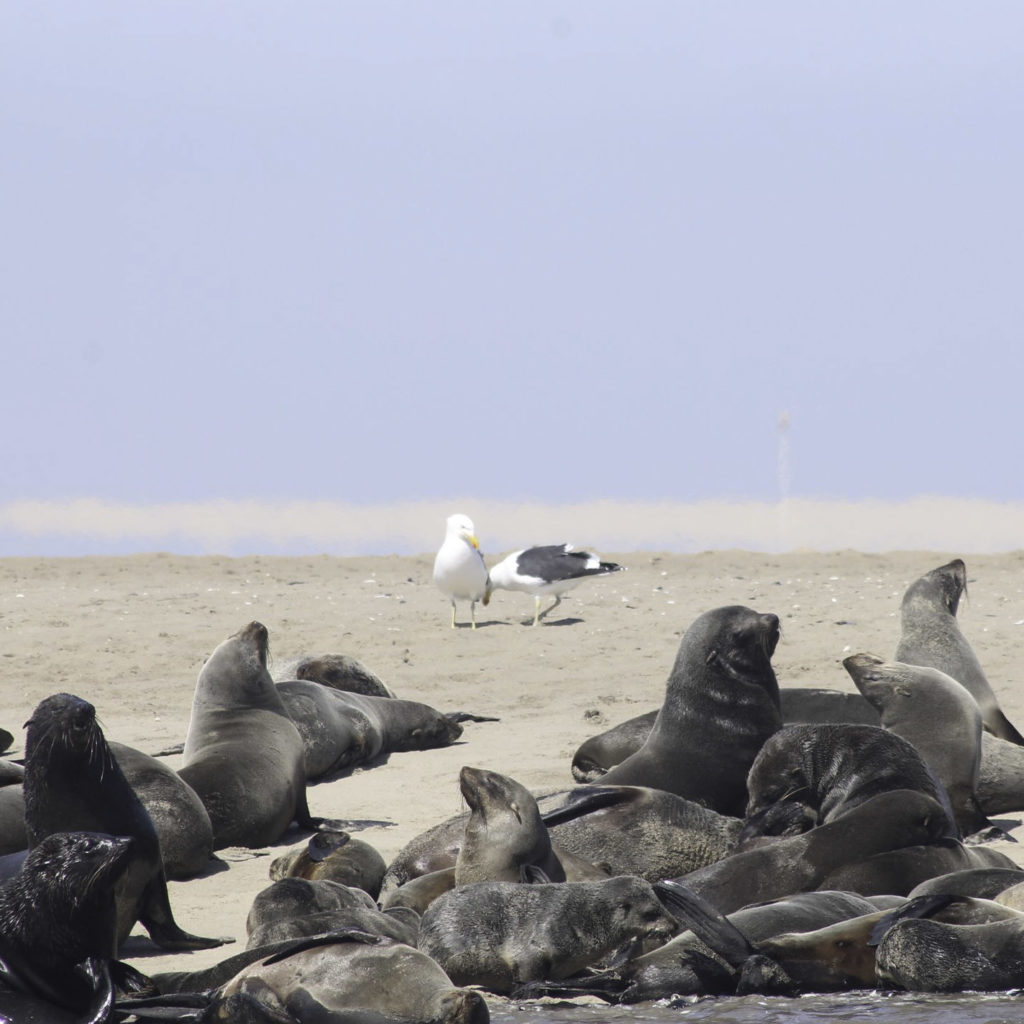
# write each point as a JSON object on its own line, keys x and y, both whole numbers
{"x": 721, "y": 704}
{"x": 58, "y": 923}
{"x": 333, "y": 856}
{"x": 73, "y": 783}
{"x": 806, "y": 775}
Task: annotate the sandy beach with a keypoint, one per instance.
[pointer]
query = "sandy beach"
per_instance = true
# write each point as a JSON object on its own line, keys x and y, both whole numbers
{"x": 130, "y": 634}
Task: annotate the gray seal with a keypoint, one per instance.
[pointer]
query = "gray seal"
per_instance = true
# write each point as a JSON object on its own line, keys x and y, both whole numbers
{"x": 243, "y": 755}
{"x": 73, "y": 783}
{"x": 930, "y": 635}
{"x": 931, "y": 710}
{"x": 345, "y": 976}
{"x": 341, "y": 730}
{"x": 807, "y": 775}
{"x": 333, "y": 856}
{"x": 721, "y": 704}
{"x": 501, "y": 935}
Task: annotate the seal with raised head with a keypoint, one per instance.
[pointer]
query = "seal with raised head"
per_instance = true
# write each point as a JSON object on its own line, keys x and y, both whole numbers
{"x": 932, "y": 711}
{"x": 501, "y": 935}
{"x": 806, "y": 775}
{"x": 58, "y": 927}
{"x": 74, "y": 783}
{"x": 721, "y": 704}
{"x": 930, "y": 635}
{"x": 243, "y": 755}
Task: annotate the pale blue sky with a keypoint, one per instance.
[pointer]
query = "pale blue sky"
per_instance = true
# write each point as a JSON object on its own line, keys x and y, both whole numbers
{"x": 560, "y": 251}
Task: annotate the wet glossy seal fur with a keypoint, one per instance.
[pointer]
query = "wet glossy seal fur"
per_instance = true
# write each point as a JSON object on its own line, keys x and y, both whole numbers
{"x": 74, "y": 783}
{"x": 58, "y": 925}
{"x": 721, "y": 704}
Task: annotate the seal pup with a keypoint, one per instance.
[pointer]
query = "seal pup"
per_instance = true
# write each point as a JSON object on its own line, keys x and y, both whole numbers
{"x": 721, "y": 704}
{"x": 243, "y": 755}
{"x": 459, "y": 569}
{"x": 805, "y": 775}
{"x": 930, "y": 635}
{"x": 549, "y": 570}
{"x": 58, "y": 923}
{"x": 73, "y": 783}
{"x": 500, "y": 935}
{"x": 333, "y": 856}
{"x": 340, "y": 730}
{"x": 931, "y": 710}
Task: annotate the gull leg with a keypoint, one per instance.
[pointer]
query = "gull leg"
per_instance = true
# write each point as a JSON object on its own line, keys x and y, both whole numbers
{"x": 453, "y": 614}
{"x": 550, "y": 608}
{"x": 472, "y": 613}
{"x": 536, "y": 608}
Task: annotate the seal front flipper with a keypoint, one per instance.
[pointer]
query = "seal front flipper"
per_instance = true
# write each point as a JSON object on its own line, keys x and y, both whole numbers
{"x": 156, "y": 917}
{"x": 585, "y": 800}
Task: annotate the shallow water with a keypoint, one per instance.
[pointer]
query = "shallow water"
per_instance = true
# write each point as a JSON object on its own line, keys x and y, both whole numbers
{"x": 879, "y": 1008}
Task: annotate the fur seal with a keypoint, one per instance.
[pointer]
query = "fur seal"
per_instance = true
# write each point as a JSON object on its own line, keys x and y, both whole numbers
{"x": 922, "y": 955}
{"x": 505, "y": 839}
{"x": 500, "y": 935}
{"x": 938, "y": 716}
{"x": 13, "y": 836}
{"x": 340, "y": 730}
{"x": 981, "y": 883}
{"x": 683, "y": 965}
{"x": 58, "y": 925}
{"x": 295, "y": 907}
{"x": 811, "y": 705}
{"x": 335, "y": 857}
{"x": 179, "y": 817}
{"x": 632, "y": 830}
{"x": 889, "y": 821}
{"x": 930, "y": 635}
{"x": 342, "y": 672}
{"x": 243, "y": 755}
{"x": 806, "y": 775}
{"x": 73, "y": 783}
{"x": 721, "y": 704}
{"x": 343, "y": 976}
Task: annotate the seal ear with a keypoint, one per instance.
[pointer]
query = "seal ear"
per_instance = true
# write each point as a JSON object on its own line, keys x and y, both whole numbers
{"x": 712, "y": 654}
{"x": 514, "y": 808}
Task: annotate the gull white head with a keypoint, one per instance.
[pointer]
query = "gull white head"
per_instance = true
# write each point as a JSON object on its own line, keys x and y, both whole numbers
{"x": 461, "y": 526}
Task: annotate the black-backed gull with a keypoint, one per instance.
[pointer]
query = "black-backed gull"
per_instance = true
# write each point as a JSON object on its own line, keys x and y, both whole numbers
{"x": 459, "y": 569}
{"x": 550, "y": 569}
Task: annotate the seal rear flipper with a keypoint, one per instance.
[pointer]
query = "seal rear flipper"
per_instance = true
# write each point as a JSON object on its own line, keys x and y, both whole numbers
{"x": 713, "y": 928}
{"x": 468, "y": 716}
{"x": 919, "y": 906}
{"x": 325, "y": 939}
{"x": 156, "y": 917}
{"x": 584, "y": 800}
{"x": 183, "y": 1007}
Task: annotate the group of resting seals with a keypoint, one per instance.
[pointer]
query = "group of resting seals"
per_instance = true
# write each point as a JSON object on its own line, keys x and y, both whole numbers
{"x": 727, "y": 848}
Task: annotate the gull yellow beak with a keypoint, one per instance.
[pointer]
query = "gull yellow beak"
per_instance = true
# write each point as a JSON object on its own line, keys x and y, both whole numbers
{"x": 472, "y": 540}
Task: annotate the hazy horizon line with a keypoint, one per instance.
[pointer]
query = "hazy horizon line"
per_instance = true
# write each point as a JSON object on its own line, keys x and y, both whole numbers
{"x": 88, "y": 526}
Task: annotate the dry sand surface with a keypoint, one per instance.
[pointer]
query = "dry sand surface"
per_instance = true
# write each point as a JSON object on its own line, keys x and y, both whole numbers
{"x": 131, "y": 633}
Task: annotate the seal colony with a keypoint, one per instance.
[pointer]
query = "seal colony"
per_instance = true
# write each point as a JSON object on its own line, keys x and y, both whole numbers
{"x": 847, "y": 849}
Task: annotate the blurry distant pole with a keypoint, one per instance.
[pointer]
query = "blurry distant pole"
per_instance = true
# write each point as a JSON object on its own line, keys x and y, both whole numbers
{"x": 784, "y": 540}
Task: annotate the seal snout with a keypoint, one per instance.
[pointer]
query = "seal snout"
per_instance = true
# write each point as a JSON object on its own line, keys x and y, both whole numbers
{"x": 772, "y": 631}
{"x": 257, "y": 634}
